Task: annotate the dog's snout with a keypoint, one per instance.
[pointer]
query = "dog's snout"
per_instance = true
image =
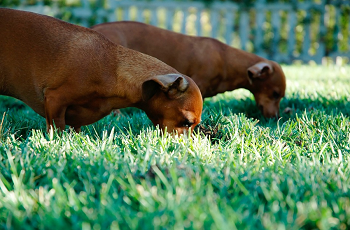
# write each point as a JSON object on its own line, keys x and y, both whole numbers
{"x": 269, "y": 111}
{"x": 273, "y": 115}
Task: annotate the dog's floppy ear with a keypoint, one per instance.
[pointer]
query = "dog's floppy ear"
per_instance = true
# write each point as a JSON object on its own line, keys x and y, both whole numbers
{"x": 260, "y": 70}
{"x": 171, "y": 84}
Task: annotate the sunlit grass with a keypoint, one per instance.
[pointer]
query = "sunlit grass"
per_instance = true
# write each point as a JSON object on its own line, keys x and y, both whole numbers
{"x": 238, "y": 171}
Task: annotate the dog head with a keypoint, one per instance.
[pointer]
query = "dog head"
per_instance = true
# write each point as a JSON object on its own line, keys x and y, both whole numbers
{"x": 173, "y": 101}
{"x": 268, "y": 85}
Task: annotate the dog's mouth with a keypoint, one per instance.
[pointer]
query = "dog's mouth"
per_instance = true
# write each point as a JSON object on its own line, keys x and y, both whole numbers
{"x": 271, "y": 115}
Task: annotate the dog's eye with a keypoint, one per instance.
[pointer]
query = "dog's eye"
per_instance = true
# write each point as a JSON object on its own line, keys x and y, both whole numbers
{"x": 275, "y": 95}
{"x": 187, "y": 123}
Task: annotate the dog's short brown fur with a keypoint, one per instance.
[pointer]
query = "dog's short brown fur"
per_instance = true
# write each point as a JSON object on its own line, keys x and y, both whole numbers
{"x": 72, "y": 75}
{"x": 214, "y": 66}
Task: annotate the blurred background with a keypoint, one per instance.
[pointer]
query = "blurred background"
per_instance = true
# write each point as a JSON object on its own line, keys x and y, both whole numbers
{"x": 296, "y": 31}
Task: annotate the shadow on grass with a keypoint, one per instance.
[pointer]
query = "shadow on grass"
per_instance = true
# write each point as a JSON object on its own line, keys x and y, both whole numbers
{"x": 290, "y": 107}
{"x": 20, "y": 119}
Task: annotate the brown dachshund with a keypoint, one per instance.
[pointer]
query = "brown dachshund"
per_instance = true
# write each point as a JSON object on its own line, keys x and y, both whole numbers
{"x": 214, "y": 66}
{"x": 74, "y": 76}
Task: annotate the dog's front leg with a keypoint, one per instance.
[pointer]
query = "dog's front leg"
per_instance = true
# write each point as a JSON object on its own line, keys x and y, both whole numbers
{"x": 77, "y": 129}
{"x": 55, "y": 112}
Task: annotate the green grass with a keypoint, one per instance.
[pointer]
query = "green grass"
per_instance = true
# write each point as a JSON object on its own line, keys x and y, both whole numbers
{"x": 239, "y": 171}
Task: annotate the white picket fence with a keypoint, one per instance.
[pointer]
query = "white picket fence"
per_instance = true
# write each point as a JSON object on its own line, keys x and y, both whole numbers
{"x": 283, "y": 32}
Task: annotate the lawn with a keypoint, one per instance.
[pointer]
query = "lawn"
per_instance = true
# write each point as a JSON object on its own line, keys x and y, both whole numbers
{"x": 239, "y": 171}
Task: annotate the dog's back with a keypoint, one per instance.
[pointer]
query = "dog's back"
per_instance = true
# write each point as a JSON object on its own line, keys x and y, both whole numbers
{"x": 74, "y": 75}
{"x": 213, "y": 65}
{"x": 38, "y": 51}
{"x": 175, "y": 49}
{"x": 22, "y": 39}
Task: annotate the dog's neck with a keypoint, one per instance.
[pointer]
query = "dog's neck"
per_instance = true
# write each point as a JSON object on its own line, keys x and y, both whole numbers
{"x": 120, "y": 83}
{"x": 131, "y": 74}
{"x": 235, "y": 68}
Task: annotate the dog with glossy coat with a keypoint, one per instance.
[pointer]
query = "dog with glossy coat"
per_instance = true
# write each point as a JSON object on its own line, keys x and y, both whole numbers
{"x": 213, "y": 65}
{"x": 74, "y": 76}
